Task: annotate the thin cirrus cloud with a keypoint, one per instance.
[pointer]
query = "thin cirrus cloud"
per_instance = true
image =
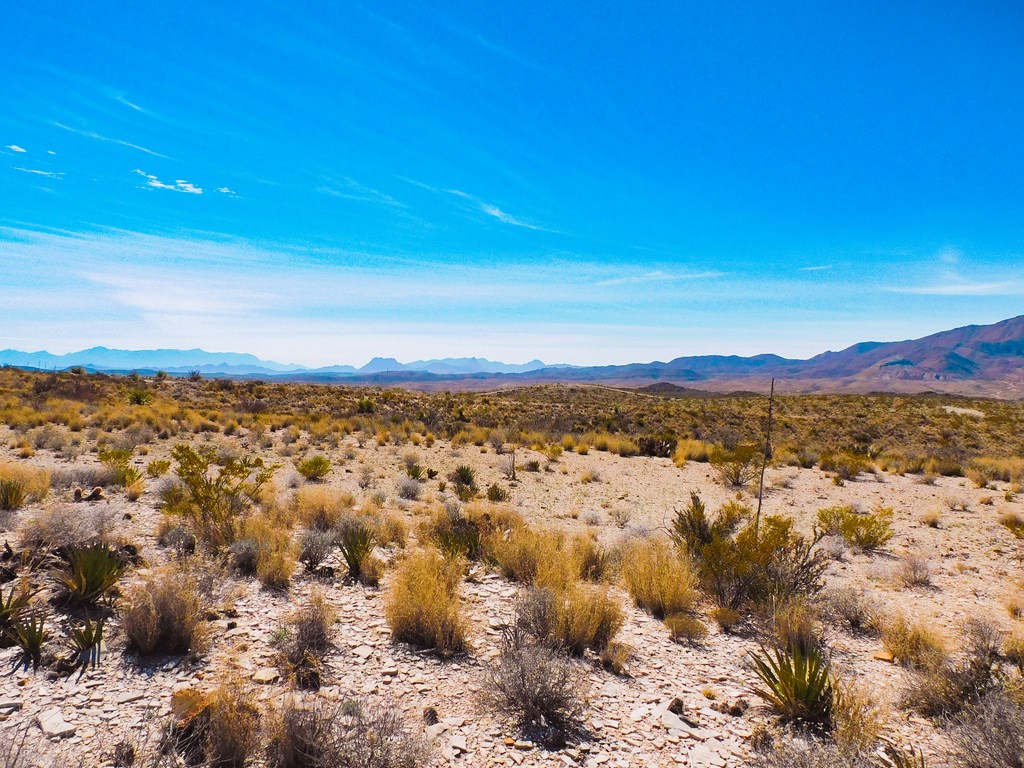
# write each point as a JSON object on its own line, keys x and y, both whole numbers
{"x": 964, "y": 288}
{"x": 816, "y": 268}
{"x": 495, "y": 212}
{"x": 179, "y": 185}
{"x": 16, "y": 148}
{"x": 658, "y": 276}
{"x": 36, "y": 171}
{"x": 100, "y": 137}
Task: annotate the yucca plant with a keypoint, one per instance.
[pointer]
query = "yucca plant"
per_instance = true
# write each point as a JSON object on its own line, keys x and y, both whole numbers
{"x": 11, "y": 607}
{"x": 797, "y": 683}
{"x": 90, "y": 573}
{"x": 355, "y": 540}
{"x": 12, "y": 494}
{"x": 86, "y": 640}
{"x": 29, "y": 633}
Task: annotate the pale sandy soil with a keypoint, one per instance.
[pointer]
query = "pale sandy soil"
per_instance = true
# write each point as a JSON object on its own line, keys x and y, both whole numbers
{"x": 973, "y": 559}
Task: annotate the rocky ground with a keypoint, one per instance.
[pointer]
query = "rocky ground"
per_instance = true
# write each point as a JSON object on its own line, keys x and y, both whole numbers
{"x": 631, "y": 719}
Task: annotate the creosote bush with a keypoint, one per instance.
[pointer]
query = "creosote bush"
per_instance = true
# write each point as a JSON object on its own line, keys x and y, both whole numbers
{"x": 866, "y": 531}
{"x": 422, "y": 607}
{"x": 215, "y": 501}
{"x": 315, "y": 468}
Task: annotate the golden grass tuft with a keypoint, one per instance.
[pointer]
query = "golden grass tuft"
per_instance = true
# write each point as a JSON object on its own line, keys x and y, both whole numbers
{"x": 320, "y": 507}
{"x": 658, "y": 578}
{"x": 913, "y": 645}
{"x": 422, "y": 606}
{"x": 34, "y": 481}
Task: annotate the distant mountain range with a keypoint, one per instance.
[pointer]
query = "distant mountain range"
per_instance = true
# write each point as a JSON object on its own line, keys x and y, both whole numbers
{"x": 241, "y": 364}
{"x": 974, "y": 359}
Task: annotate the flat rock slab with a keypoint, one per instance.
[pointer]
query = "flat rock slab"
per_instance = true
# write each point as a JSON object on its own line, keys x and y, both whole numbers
{"x": 54, "y": 726}
{"x": 266, "y": 675}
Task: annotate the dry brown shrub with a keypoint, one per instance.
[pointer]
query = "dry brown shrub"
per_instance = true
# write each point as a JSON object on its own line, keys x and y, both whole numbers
{"x": 166, "y": 614}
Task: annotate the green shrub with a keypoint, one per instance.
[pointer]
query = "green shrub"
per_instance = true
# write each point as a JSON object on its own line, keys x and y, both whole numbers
{"x": 315, "y": 468}
{"x": 158, "y": 467}
{"x": 740, "y": 566}
{"x": 737, "y": 467}
{"x": 866, "y": 531}
{"x": 497, "y": 493}
{"x": 12, "y": 607}
{"x": 796, "y": 684}
{"x": 215, "y": 503}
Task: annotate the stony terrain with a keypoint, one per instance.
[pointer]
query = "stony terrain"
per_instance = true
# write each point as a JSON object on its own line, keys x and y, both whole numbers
{"x": 631, "y": 719}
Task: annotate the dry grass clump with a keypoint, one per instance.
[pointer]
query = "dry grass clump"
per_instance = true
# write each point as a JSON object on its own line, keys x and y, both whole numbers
{"x": 1014, "y": 522}
{"x": 857, "y": 719}
{"x": 219, "y": 729}
{"x": 166, "y": 614}
{"x": 853, "y": 610}
{"x": 914, "y": 571}
{"x": 946, "y": 686}
{"x": 691, "y": 450}
{"x": 530, "y": 557}
{"x": 990, "y": 733}
{"x": 594, "y": 562}
{"x": 422, "y": 607}
{"x": 912, "y": 644}
{"x": 21, "y": 483}
{"x": 63, "y": 526}
{"x": 538, "y": 687}
{"x": 319, "y": 507}
{"x": 265, "y": 549}
{"x": 796, "y": 624}
{"x": 573, "y": 619}
{"x": 314, "y": 733}
{"x": 308, "y": 640}
{"x": 659, "y": 578}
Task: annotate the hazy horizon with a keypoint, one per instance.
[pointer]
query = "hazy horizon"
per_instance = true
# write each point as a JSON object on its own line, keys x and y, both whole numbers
{"x": 326, "y": 186}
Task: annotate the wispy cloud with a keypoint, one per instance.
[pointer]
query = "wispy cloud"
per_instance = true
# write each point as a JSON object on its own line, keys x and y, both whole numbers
{"x": 179, "y": 185}
{"x": 495, "y": 212}
{"x": 659, "y": 276}
{"x": 227, "y": 191}
{"x": 52, "y": 174}
{"x": 16, "y": 148}
{"x": 350, "y": 189}
{"x": 964, "y": 288}
{"x": 818, "y": 268}
{"x": 99, "y": 137}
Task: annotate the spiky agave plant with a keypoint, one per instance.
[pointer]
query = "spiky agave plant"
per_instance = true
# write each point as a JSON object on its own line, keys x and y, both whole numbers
{"x": 29, "y": 633}
{"x": 11, "y": 607}
{"x": 91, "y": 572}
{"x": 797, "y": 684}
{"x": 355, "y": 540}
{"x": 86, "y": 640}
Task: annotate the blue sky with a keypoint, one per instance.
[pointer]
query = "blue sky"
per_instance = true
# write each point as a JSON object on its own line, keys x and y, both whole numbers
{"x": 581, "y": 182}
